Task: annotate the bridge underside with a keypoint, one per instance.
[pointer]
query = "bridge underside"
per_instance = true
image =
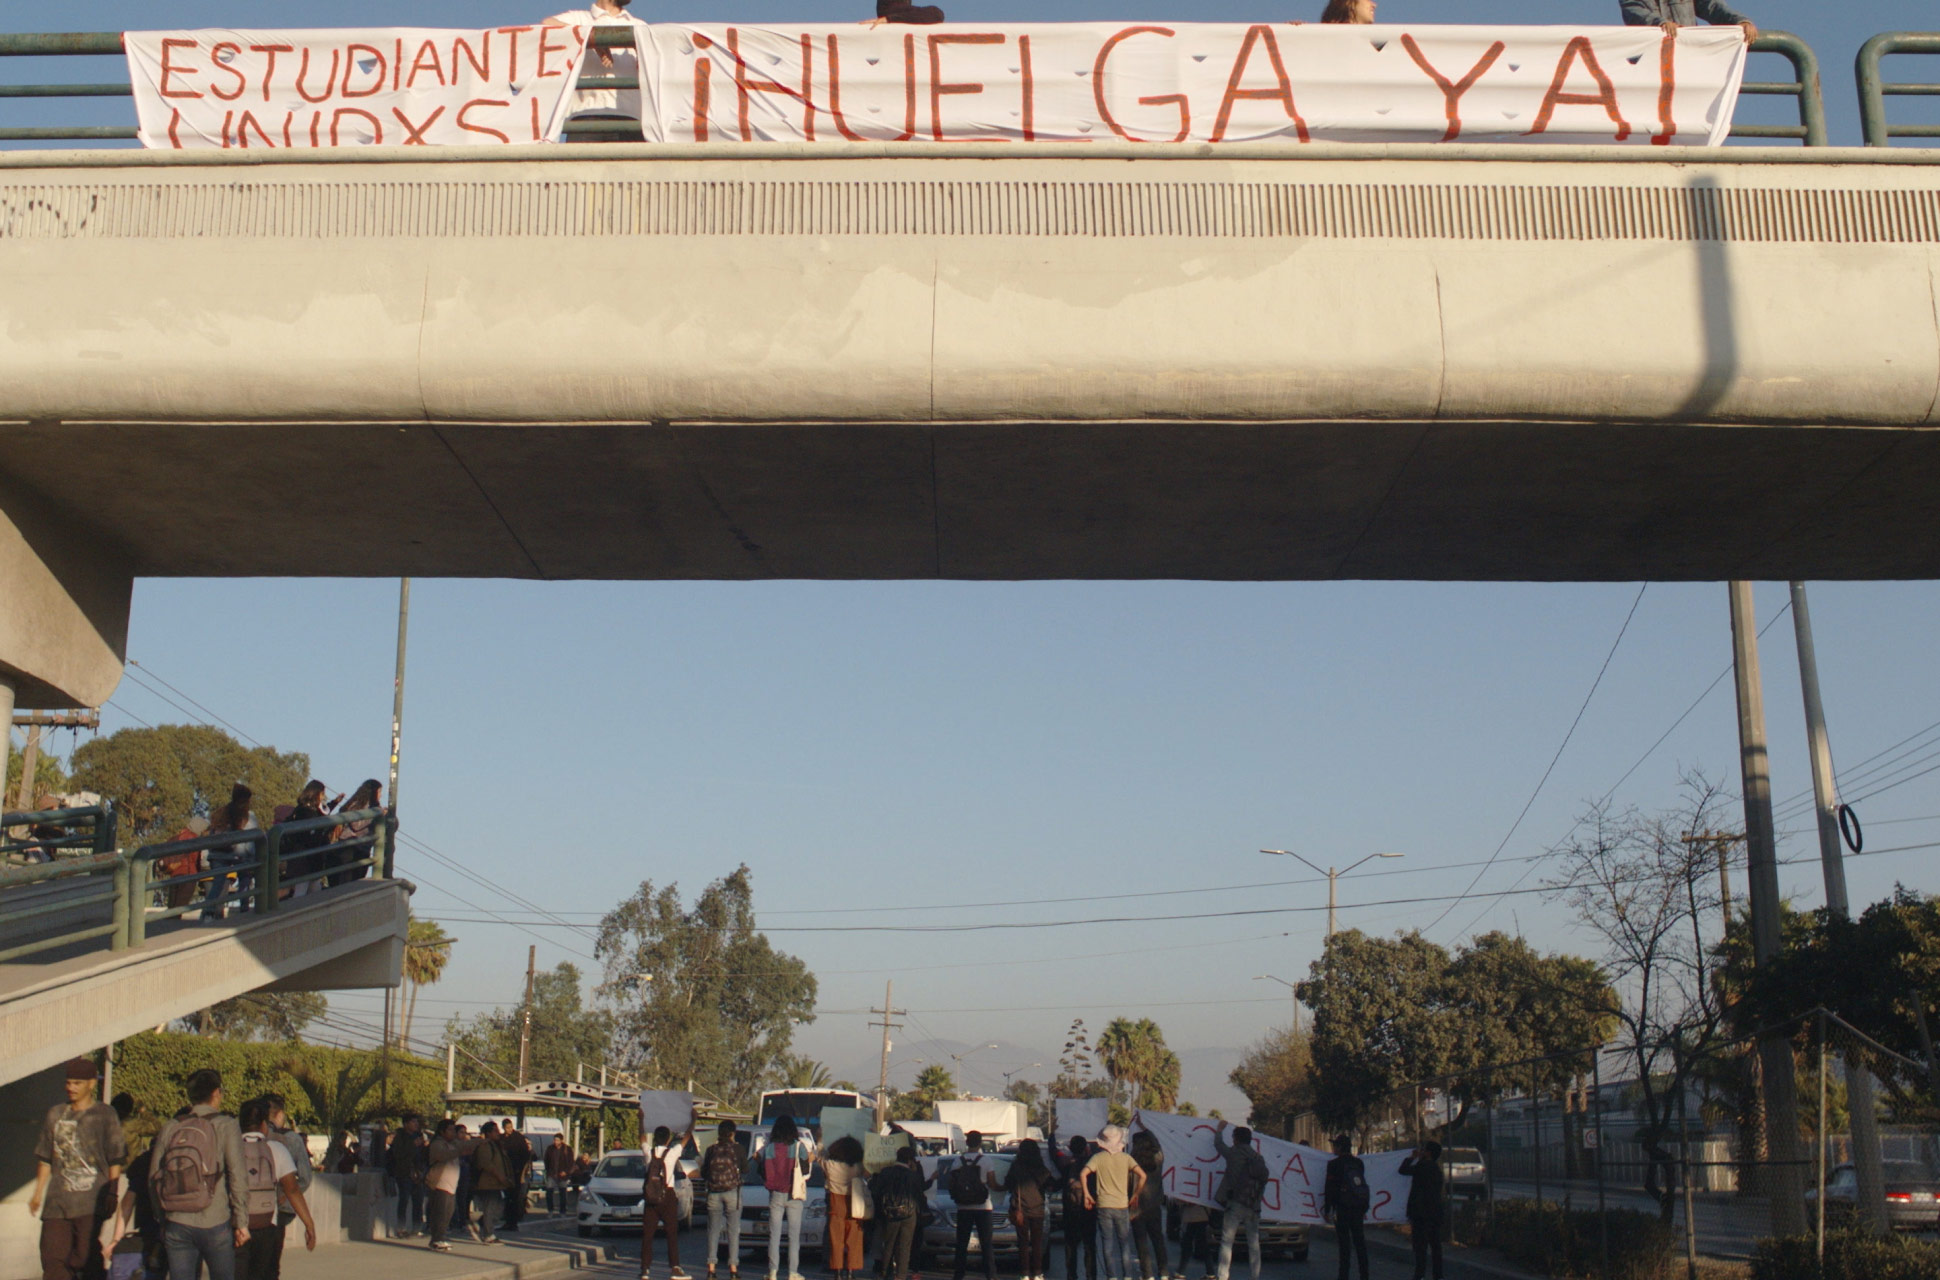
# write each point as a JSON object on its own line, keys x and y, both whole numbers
{"x": 1256, "y": 500}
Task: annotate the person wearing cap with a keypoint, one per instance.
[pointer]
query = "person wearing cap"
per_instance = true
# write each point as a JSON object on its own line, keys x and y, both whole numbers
{"x": 81, "y": 1150}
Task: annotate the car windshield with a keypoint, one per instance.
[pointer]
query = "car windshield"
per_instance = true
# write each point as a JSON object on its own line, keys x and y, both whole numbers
{"x": 632, "y": 1167}
{"x": 1907, "y": 1171}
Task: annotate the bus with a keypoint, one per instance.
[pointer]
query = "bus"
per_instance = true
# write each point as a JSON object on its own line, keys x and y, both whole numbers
{"x": 805, "y": 1106}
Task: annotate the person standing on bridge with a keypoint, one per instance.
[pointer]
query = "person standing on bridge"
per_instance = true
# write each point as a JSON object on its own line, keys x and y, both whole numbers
{"x": 81, "y": 1150}
{"x": 606, "y": 104}
{"x": 905, "y": 12}
{"x": 234, "y": 816}
{"x": 1348, "y": 11}
{"x": 1672, "y": 14}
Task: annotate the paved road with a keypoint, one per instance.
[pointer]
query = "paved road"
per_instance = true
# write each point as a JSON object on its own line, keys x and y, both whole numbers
{"x": 1725, "y": 1228}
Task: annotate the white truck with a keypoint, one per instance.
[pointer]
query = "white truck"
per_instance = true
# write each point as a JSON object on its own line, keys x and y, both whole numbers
{"x": 1000, "y": 1122}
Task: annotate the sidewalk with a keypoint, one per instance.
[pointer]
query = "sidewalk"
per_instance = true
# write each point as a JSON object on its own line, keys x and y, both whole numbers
{"x": 519, "y": 1258}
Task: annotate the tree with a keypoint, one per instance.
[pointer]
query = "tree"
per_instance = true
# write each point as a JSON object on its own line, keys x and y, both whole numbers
{"x": 1277, "y": 1077}
{"x": 159, "y": 778}
{"x": 799, "y": 1071}
{"x": 934, "y": 1083}
{"x": 1515, "y": 1004}
{"x": 260, "y": 1016}
{"x": 565, "y": 1033}
{"x": 1634, "y": 883}
{"x": 49, "y": 777}
{"x": 339, "y": 1100}
{"x": 1139, "y": 1064}
{"x": 700, "y": 995}
{"x": 1380, "y": 1021}
{"x": 427, "y": 949}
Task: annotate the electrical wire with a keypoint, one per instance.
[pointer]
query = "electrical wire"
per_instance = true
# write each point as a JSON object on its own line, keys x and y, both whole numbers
{"x": 1560, "y": 748}
{"x": 153, "y": 675}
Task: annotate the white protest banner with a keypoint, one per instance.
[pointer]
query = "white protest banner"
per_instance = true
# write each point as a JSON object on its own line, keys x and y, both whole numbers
{"x": 344, "y": 88}
{"x": 670, "y": 1107}
{"x": 1177, "y": 82}
{"x": 1297, "y": 1175}
{"x": 1081, "y": 1118}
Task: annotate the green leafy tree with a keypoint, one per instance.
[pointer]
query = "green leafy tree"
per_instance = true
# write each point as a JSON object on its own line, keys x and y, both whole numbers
{"x": 1144, "y": 1073}
{"x": 700, "y": 994}
{"x": 1380, "y": 1021}
{"x": 1277, "y": 1077}
{"x": 565, "y": 1033}
{"x": 159, "y": 778}
{"x": 934, "y": 1083}
{"x": 427, "y": 950}
{"x": 1515, "y": 1004}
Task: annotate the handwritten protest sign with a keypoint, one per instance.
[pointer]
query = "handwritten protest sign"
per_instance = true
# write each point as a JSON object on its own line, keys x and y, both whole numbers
{"x": 1177, "y": 82}
{"x": 1297, "y": 1174}
{"x": 340, "y": 88}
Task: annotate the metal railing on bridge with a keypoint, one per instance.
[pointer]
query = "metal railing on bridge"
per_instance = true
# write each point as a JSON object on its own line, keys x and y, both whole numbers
{"x": 55, "y": 902}
{"x": 1874, "y": 90}
{"x": 1804, "y": 86}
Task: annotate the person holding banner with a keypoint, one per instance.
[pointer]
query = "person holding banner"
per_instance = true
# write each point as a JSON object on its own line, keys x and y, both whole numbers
{"x": 1425, "y": 1200}
{"x": 660, "y": 1203}
{"x": 1672, "y": 14}
{"x": 1240, "y": 1191}
{"x": 606, "y": 104}
{"x": 1148, "y": 1213}
{"x": 1350, "y": 11}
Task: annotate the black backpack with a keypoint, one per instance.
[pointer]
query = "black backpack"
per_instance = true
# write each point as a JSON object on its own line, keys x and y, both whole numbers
{"x": 966, "y": 1185}
{"x": 723, "y": 1166}
{"x": 894, "y": 1203}
{"x": 1354, "y": 1198}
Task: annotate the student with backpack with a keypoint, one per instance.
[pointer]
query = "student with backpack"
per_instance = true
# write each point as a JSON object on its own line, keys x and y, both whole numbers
{"x": 899, "y": 1191}
{"x": 1238, "y": 1196}
{"x": 784, "y": 1171}
{"x": 271, "y": 1177}
{"x": 660, "y": 1200}
{"x": 970, "y": 1182}
{"x": 1345, "y": 1202}
{"x": 198, "y": 1178}
{"x": 721, "y": 1171}
{"x": 1080, "y": 1219}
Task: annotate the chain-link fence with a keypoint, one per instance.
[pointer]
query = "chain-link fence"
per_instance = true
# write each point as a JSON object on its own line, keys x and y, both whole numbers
{"x": 1681, "y": 1141}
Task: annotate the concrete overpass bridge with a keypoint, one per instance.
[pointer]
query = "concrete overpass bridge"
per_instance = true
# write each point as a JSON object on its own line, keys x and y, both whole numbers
{"x": 970, "y": 361}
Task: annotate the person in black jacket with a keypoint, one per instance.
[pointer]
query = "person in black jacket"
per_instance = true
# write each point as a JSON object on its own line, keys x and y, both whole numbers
{"x": 1425, "y": 1202}
{"x": 1345, "y": 1201}
{"x": 904, "y": 11}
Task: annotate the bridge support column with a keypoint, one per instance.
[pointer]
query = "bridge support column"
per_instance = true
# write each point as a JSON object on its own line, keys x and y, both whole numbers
{"x": 23, "y": 1105}
{"x": 6, "y": 739}
{"x": 63, "y": 607}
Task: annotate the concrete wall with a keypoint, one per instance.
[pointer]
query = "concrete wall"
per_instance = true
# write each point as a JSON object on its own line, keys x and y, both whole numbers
{"x": 1261, "y": 361}
{"x": 23, "y": 1104}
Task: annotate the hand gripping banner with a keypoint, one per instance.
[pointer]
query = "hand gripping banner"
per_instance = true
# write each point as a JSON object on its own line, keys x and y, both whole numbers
{"x": 339, "y": 88}
{"x": 1197, "y": 82}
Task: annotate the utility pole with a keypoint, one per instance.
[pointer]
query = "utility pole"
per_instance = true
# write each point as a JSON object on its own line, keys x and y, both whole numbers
{"x": 1859, "y": 1082}
{"x": 1774, "y": 1052}
{"x": 889, "y": 1012}
{"x": 397, "y": 687}
{"x": 33, "y": 722}
{"x": 1721, "y": 841}
{"x": 525, "y": 1027}
{"x": 1333, "y": 874}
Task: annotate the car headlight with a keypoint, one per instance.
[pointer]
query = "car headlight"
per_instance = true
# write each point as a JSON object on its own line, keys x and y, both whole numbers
{"x": 818, "y": 1209}
{"x": 593, "y": 1197}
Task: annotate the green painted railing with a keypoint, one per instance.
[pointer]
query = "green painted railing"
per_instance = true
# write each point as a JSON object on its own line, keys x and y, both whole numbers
{"x": 1804, "y": 85}
{"x": 57, "y": 832}
{"x": 1874, "y": 89}
{"x": 260, "y": 872}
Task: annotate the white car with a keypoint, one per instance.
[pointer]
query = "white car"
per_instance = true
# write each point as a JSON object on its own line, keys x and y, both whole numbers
{"x": 611, "y": 1200}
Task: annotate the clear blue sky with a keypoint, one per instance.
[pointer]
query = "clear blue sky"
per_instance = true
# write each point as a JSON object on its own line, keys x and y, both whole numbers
{"x": 914, "y": 744}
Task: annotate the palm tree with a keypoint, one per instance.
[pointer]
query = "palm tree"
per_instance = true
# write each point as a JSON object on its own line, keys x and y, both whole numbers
{"x": 338, "y": 1103}
{"x": 427, "y": 949}
{"x": 935, "y": 1082}
{"x": 1137, "y": 1060}
{"x": 799, "y": 1071}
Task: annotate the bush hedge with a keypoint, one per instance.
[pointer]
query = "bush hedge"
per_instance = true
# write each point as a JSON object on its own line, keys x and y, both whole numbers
{"x": 1849, "y": 1255}
{"x": 1551, "y": 1240}
{"x": 154, "y": 1068}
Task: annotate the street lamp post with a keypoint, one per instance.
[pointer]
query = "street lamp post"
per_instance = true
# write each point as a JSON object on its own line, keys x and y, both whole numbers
{"x": 1018, "y": 1071}
{"x": 1333, "y": 874}
{"x": 1293, "y": 990}
{"x": 959, "y": 1057}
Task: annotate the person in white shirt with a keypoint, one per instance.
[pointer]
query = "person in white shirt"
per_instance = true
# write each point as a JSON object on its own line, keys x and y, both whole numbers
{"x": 605, "y": 104}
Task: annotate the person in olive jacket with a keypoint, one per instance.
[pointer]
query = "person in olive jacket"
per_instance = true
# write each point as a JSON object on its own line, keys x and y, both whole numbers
{"x": 1425, "y": 1204}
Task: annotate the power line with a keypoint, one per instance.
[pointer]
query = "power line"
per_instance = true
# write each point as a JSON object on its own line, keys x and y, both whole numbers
{"x": 1560, "y": 748}
{"x": 152, "y": 674}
